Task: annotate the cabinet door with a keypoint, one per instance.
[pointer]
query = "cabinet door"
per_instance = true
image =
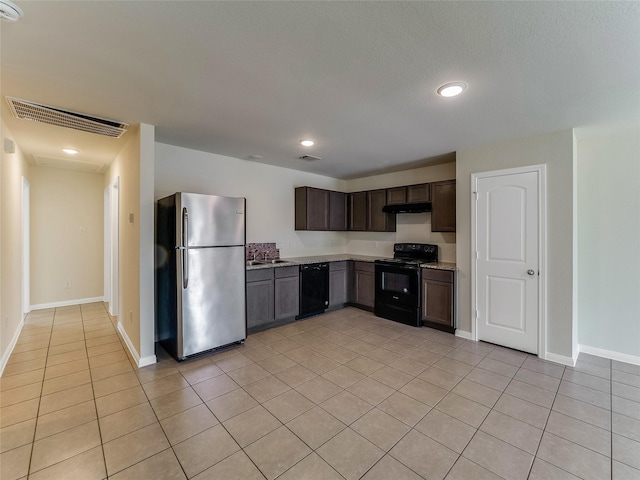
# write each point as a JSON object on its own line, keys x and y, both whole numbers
{"x": 364, "y": 284}
{"x": 437, "y": 302}
{"x": 358, "y": 211}
{"x": 338, "y": 211}
{"x": 396, "y": 195}
{"x": 337, "y": 287}
{"x": 443, "y": 206}
{"x": 259, "y": 303}
{"x": 317, "y": 209}
{"x": 418, "y": 193}
{"x": 377, "y": 220}
{"x": 287, "y": 297}
{"x": 311, "y": 208}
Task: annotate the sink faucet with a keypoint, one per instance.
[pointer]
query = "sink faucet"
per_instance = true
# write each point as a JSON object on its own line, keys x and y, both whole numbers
{"x": 254, "y": 256}
{"x": 265, "y": 256}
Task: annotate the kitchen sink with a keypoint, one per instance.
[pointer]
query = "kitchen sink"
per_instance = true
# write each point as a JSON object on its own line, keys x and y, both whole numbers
{"x": 263, "y": 262}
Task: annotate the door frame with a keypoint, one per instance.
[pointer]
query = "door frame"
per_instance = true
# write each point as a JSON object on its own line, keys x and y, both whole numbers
{"x": 111, "y": 246}
{"x": 541, "y": 171}
{"x": 26, "y": 247}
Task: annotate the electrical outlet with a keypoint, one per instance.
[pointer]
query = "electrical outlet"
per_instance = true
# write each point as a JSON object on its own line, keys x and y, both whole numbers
{"x": 67, "y": 284}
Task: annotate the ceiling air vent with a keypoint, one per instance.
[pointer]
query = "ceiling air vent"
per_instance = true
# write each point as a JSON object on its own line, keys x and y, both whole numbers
{"x": 62, "y": 118}
{"x": 309, "y": 158}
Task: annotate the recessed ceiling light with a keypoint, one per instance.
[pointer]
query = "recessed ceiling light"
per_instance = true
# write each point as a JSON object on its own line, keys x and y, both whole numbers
{"x": 70, "y": 151}
{"x": 9, "y": 11}
{"x": 307, "y": 143}
{"x": 451, "y": 89}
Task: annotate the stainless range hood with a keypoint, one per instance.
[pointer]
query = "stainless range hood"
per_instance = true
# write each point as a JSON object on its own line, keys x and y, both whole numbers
{"x": 418, "y": 207}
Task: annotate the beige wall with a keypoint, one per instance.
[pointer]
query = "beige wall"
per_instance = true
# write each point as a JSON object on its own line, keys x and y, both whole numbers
{"x": 410, "y": 227}
{"x": 270, "y": 201}
{"x": 13, "y": 167}
{"x": 608, "y": 240}
{"x": 556, "y": 151}
{"x": 63, "y": 202}
{"x": 126, "y": 168}
{"x": 268, "y": 190}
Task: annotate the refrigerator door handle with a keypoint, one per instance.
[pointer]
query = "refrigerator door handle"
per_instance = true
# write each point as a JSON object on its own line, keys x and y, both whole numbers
{"x": 185, "y": 250}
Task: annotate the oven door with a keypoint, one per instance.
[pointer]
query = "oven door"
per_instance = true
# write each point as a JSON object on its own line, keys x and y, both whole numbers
{"x": 398, "y": 293}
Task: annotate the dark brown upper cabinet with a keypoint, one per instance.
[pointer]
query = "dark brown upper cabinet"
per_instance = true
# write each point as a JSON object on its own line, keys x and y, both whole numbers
{"x": 338, "y": 211}
{"x": 418, "y": 193}
{"x": 408, "y": 194}
{"x": 358, "y": 211}
{"x": 443, "y": 206}
{"x": 311, "y": 209}
{"x": 396, "y": 196}
{"x": 377, "y": 220}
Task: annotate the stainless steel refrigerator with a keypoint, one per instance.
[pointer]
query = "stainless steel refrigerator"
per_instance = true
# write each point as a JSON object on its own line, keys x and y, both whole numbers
{"x": 200, "y": 273}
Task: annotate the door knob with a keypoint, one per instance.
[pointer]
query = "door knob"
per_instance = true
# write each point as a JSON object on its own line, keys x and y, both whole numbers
{"x": 530, "y": 272}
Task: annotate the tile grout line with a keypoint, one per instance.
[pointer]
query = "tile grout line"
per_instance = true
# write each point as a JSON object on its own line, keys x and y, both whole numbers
{"x": 35, "y": 428}
{"x": 95, "y": 404}
{"x": 544, "y": 429}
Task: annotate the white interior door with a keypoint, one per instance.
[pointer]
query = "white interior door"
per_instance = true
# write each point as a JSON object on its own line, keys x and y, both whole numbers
{"x": 507, "y": 259}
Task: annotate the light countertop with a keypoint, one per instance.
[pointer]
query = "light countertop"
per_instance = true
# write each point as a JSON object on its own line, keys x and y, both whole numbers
{"x": 293, "y": 261}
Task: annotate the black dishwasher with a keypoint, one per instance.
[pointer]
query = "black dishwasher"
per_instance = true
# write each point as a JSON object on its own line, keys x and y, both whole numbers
{"x": 314, "y": 289}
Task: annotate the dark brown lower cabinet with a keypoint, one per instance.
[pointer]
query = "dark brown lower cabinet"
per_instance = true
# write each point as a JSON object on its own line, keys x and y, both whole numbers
{"x": 363, "y": 285}
{"x": 338, "y": 284}
{"x": 286, "y": 293}
{"x": 273, "y": 297}
{"x": 259, "y": 299}
{"x": 438, "y": 299}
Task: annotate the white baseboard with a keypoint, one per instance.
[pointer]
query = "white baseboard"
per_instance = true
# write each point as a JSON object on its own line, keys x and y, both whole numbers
{"x": 66, "y": 303}
{"x": 561, "y": 359}
{"x": 10, "y": 347}
{"x": 601, "y": 352}
{"x": 141, "y": 362}
{"x": 144, "y": 361}
{"x": 463, "y": 334}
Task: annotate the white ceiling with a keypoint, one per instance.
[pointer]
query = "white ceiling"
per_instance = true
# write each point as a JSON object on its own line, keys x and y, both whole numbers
{"x": 252, "y": 78}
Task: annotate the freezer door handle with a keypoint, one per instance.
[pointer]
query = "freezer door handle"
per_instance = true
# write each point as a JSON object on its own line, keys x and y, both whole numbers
{"x": 185, "y": 250}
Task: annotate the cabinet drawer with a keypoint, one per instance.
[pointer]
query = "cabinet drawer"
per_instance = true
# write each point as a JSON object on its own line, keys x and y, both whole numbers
{"x": 365, "y": 267}
{"x": 282, "y": 272}
{"x": 437, "y": 275}
{"x": 334, "y": 266}
{"x": 259, "y": 275}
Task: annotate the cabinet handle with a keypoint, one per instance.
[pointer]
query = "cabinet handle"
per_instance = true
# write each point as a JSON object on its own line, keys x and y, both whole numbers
{"x": 530, "y": 272}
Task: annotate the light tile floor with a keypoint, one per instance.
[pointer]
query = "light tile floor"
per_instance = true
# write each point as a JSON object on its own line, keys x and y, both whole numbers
{"x": 342, "y": 395}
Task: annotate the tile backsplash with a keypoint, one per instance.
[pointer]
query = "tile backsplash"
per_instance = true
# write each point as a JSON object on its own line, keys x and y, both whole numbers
{"x": 259, "y": 249}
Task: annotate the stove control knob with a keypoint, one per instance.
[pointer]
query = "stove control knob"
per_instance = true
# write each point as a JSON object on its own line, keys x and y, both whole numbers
{"x": 405, "y": 290}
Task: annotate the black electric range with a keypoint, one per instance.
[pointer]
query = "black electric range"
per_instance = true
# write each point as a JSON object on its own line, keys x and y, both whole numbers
{"x": 398, "y": 282}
